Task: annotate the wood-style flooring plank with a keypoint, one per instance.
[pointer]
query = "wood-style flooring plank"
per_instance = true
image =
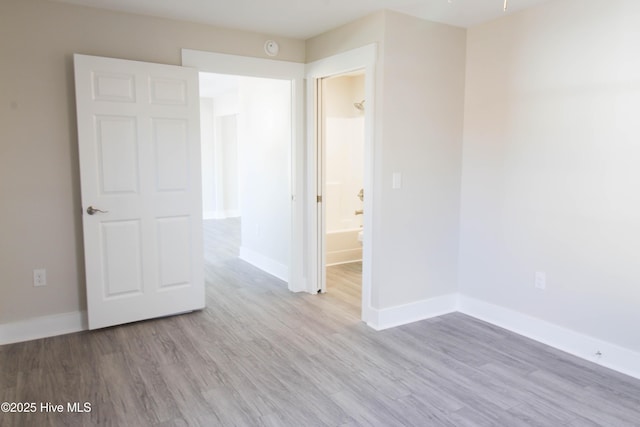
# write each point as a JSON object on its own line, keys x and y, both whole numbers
{"x": 259, "y": 355}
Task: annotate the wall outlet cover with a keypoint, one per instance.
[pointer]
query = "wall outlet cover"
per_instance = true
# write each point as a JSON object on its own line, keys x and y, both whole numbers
{"x": 39, "y": 277}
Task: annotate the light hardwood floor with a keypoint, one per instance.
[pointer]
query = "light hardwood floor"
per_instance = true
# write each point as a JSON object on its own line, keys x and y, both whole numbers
{"x": 259, "y": 355}
{"x": 344, "y": 286}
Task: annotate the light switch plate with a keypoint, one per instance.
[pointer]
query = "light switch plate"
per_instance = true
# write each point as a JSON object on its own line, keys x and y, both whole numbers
{"x": 396, "y": 181}
{"x": 541, "y": 280}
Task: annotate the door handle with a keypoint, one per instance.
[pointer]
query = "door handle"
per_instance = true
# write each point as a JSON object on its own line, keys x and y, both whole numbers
{"x": 91, "y": 210}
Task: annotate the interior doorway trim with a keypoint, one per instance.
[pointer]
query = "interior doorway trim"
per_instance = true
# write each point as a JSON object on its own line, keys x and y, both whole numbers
{"x": 220, "y": 63}
{"x": 363, "y": 58}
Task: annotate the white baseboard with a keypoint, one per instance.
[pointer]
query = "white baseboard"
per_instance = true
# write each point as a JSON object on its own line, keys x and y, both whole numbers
{"x": 612, "y": 356}
{"x": 221, "y": 214}
{"x": 343, "y": 257}
{"x": 412, "y": 312}
{"x": 232, "y": 214}
{"x": 43, "y": 327}
{"x": 264, "y": 263}
{"x": 583, "y": 346}
{"x": 344, "y": 262}
{"x": 298, "y": 286}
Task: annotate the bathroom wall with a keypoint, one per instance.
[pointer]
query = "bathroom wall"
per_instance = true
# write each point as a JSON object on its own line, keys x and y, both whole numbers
{"x": 344, "y": 151}
{"x": 344, "y": 167}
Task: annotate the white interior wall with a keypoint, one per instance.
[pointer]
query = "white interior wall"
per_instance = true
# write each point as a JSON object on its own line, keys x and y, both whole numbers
{"x": 228, "y": 139}
{"x": 344, "y": 160}
{"x": 264, "y": 140}
{"x": 550, "y": 169}
{"x": 219, "y": 150}
{"x": 207, "y": 139}
{"x": 247, "y": 151}
{"x": 226, "y": 109}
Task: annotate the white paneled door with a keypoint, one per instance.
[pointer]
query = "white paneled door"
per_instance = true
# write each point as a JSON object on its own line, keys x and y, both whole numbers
{"x": 139, "y": 146}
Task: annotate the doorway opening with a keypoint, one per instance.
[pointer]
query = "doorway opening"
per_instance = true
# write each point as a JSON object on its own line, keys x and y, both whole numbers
{"x": 342, "y": 134}
{"x": 246, "y": 138}
{"x": 293, "y": 75}
{"x": 359, "y": 61}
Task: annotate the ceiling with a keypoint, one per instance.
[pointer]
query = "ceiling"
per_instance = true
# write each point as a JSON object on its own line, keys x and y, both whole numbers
{"x": 303, "y": 19}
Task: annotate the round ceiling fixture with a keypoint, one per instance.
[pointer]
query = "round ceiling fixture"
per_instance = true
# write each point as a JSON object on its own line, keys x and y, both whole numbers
{"x": 271, "y": 48}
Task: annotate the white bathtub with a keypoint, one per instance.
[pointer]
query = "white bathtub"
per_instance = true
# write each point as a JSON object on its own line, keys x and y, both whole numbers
{"x": 343, "y": 246}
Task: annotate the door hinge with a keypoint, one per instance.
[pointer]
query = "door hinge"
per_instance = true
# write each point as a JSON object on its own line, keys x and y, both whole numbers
{"x": 319, "y": 199}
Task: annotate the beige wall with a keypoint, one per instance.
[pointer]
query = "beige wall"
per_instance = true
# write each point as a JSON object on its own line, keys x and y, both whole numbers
{"x": 40, "y": 220}
{"x": 416, "y": 245}
{"x": 551, "y": 166}
{"x": 356, "y": 34}
{"x": 343, "y": 92}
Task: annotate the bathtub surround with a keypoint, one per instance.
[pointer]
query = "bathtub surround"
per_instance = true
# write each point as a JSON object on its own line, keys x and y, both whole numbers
{"x": 343, "y": 247}
{"x": 344, "y": 172}
{"x": 344, "y": 167}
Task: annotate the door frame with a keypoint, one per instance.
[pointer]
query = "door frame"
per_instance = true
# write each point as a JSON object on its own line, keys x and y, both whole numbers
{"x": 363, "y": 58}
{"x": 220, "y": 63}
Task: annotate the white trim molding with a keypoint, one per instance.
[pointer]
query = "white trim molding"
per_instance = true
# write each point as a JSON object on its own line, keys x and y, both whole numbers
{"x": 592, "y": 349}
{"x": 43, "y": 327}
{"x": 221, "y": 214}
{"x": 362, "y": 58}
{"x": 408, "y": 313}
{"x": 583, "y": 346}
{"x": 223, "y": 63}
{"x": 611, "y": 356}
{"x": 264, "y": 263}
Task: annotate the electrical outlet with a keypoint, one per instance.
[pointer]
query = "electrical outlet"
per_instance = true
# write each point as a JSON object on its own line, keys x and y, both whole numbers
{"x": 541, "y": 280}
{"x": 40, "y": 277}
